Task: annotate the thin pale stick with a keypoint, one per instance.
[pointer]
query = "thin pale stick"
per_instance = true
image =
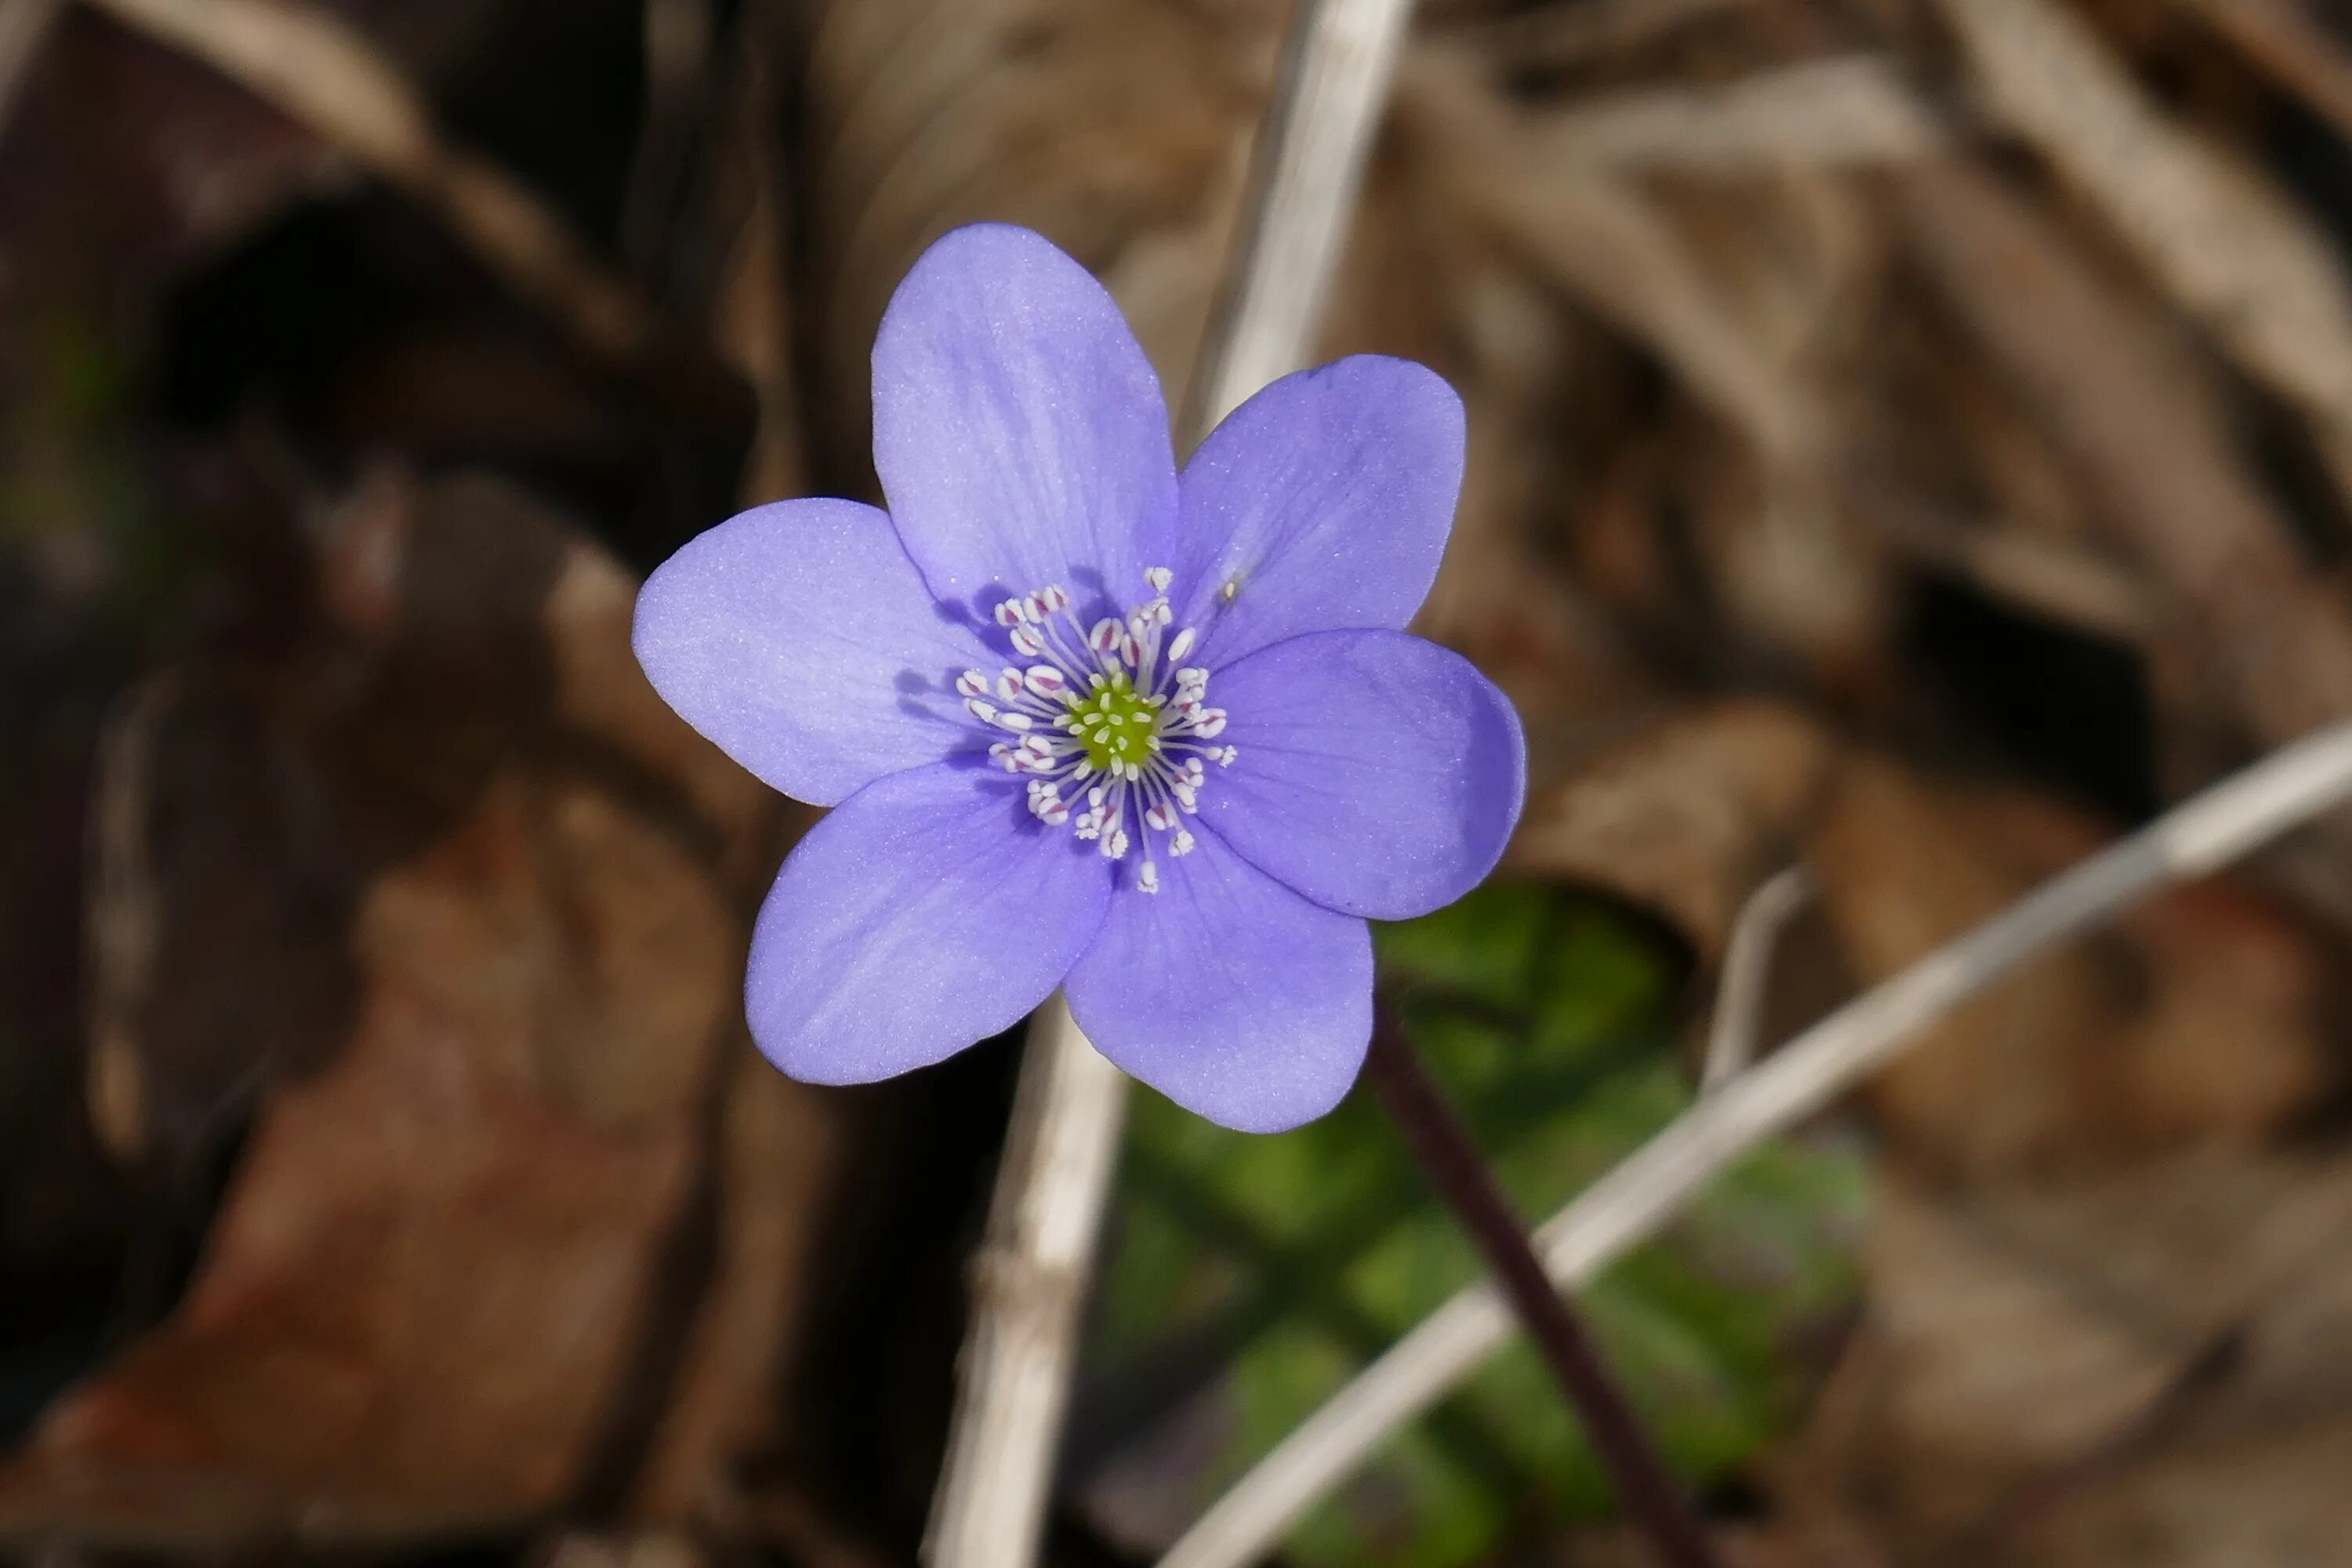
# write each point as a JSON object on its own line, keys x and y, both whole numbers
{"x": 1450, "y": 1157}
{"x": 1029, "y": 1287}
{"x": 1339, "y": 68}
{"x": 990, "y": 1509}
{"x": 2289, "y": 787}
{"x": 1747, "y": 968}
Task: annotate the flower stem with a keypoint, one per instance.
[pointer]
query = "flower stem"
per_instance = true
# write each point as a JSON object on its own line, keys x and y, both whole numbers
{"x": 1451, "y": 1160}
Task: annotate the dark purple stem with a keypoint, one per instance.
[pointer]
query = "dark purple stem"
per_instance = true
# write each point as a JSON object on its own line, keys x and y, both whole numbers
{"x": 1453, "y": 1165}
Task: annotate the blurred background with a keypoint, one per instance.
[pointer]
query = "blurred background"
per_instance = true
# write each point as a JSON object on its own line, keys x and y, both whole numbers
{"x": 1911, "y": 442}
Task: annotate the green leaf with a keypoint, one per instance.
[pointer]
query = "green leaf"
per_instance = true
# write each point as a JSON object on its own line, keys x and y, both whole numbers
{"x": 1251, "y": 1276}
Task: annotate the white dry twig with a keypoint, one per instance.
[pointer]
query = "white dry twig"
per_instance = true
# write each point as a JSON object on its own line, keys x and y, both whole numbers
{"x": 1338, "y": 67}
{"x": 2287, "y": 788}
{"x": 1028, "y": 1289}
{"x": 1747, "y": 968}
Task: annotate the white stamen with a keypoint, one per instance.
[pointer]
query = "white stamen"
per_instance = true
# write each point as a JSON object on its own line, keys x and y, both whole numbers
{"x": 1112, "y": 711}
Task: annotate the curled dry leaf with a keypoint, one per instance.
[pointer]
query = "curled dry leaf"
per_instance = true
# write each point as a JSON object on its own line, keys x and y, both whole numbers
{"x": 1119, "y": 129}
{"x": 1685, "y": 818}
{"x": 2200, "y": 1018}
{"x": 2230, "y": 247}
{"x": 2141, "y": 426}
{"x": 1610, "y": 246}
{"x": 1848, "y": 111}
{"x": 2169, "y": 1386}
{"x": 532, "y": 1222}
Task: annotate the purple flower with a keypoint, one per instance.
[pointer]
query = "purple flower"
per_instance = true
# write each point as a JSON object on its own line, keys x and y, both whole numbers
{"x": 1158, "y": 738}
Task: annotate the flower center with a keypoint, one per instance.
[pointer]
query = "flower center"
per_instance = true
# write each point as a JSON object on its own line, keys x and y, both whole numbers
{"x": 1110, "y": 714}
{"x": 1116, "y": 724}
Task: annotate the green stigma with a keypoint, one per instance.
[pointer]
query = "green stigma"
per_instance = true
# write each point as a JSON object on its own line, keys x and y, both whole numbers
{"x": 1114, "y": 723}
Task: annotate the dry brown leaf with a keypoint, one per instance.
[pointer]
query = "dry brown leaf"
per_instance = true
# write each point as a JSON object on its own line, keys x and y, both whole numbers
{"x": 220, "y": 898}
{"x": 2136, "y": 418}
{"x": 2038, "y": 1375}
{"x": 1993, "y": 1085}
{"x": 2200, "y": 1018}
{"x": 1684, "y": 818}
{"x": 2287, "y": 41}
{"x": 1111, "y": 128}
{"x": 1848, "y": 111}
{"x": 456, "y": 1277}
{"x": 1613, "y": 249}
{"x": 2225, "y": 242}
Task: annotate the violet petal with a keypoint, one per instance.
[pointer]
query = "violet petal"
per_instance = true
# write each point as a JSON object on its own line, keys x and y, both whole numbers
{"x": 1325, "y": 501}
{"x": 928, "y": 912}
{"x": 1228, "y": 993}
{"x": 1018, "y": 429}
{"x": 1378, "y": 774}
{"x": 800, "y": 639}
